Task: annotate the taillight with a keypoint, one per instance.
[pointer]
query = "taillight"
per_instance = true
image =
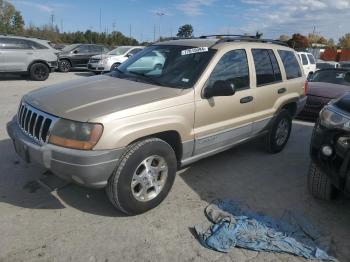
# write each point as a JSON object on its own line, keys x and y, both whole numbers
{"x": 306, "y": 87}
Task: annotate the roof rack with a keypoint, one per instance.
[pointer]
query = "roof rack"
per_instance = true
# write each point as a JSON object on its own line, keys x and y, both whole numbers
{"x": 243, "y": 38}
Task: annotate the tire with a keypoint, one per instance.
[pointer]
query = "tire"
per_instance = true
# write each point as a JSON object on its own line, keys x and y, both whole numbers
{"x": 64, "y": 66}
{"x": 114, "y": 66}
{"x": 279, "y": 132}
{"x": 130, "y": 186}
{"x": 319, "y": 184}
{"x": 39, "y": 72}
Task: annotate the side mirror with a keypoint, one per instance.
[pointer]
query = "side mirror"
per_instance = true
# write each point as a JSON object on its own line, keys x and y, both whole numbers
{"x": 76, "y": 51}
{"x": 129, "y": 55}
{"x": 220, "y": 88}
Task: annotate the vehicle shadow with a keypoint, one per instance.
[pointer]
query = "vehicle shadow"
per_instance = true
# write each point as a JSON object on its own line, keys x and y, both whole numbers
{"x": 22, "y": 185}
{"x": 86, "y": 74}
{"x": 13, "y": 77}
{"x": 272, "y": 184}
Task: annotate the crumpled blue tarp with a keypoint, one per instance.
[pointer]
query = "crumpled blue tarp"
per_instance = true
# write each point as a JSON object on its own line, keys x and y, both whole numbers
{"x": 237, "y": 225}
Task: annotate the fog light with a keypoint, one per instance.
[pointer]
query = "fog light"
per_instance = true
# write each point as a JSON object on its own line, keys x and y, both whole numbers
{"x": 327, "y": 150}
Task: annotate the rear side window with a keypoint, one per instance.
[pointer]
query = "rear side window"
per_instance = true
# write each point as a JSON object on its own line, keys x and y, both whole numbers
{"x": 304, "y": 59}
{"x": 311, "y": 59}
{"x": 35, "y": 45}
{"x": 266, "y": 67}
{"x": 13, "y": 43}
{"x": 232, "y": 67}
{"x": 290, "y": 64}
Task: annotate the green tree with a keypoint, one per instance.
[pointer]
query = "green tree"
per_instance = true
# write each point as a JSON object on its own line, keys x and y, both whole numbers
{"x": 344, "y": 41}
{"x": 11, "y": 20}
{"x": 185, "y": 31}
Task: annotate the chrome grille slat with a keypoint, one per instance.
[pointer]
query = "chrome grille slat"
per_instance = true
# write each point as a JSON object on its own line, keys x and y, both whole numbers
{"x": 35, "y": 123}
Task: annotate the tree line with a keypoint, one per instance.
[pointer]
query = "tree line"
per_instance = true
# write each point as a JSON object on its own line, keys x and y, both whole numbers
{"x": 12, "y": 22}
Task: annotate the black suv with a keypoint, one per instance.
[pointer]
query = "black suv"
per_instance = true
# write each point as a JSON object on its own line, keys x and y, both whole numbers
{"x": 330, "y": 150}
{"x": 78, "y": 55}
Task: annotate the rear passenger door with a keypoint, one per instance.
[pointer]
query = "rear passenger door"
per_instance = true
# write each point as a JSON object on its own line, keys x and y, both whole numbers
{"x": 269, "y": 86}
{"x": 14, "y": 54}
{"x": 221, "y": 121}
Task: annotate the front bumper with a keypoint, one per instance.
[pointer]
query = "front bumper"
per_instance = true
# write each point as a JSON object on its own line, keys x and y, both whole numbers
{"x": 97, "y": 67}
{"x": 53, "y": 65}
{"x": 87, "y": 168}
{"x": 336, "y": 166}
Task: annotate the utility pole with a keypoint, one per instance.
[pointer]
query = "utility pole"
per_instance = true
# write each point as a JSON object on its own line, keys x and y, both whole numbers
{"x": 52, "y": 18}
{"x": 160, "y": 14}
{"x": 61, "y": 26}
{"x": 154, "y": 34}
{"x": 130, "y": 31}
{"x": 100, "y": 20}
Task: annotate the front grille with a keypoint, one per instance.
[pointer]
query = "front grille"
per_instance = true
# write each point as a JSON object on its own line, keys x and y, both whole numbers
{"x": 35, "y": 123}
{"x": 94, "y": 60}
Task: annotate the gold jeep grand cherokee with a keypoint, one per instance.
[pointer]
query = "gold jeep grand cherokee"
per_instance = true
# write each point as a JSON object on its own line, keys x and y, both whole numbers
{"x": 130, "y": 130}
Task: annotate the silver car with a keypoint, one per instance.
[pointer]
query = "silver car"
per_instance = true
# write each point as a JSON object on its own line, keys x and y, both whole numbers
{"x": 27, "y": 56}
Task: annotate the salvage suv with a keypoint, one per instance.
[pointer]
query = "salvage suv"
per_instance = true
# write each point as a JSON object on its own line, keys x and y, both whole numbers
{"x": 130, "y": 130}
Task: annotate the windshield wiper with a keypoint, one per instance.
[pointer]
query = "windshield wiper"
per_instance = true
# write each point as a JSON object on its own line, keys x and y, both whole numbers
{"x": 146, "y": 78}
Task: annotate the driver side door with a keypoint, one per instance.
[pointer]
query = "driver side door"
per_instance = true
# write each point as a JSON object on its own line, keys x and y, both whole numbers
{"x": 222, "y": 121}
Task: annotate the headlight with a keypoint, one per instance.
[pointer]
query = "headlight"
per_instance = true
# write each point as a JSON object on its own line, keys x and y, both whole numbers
{"x": 333, "y": 119}
{"x": 75, "y": 135}
{"x": 105, "y": 61}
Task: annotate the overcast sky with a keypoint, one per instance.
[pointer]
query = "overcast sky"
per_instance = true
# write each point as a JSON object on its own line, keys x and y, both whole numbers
{"x": 272, "y": 17}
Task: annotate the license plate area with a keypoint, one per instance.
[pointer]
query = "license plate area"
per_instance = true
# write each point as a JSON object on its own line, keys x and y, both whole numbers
{"x": 22, "y": 150}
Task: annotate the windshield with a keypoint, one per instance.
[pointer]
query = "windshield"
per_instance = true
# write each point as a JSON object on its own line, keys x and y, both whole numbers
{"x": 69, "y": 48}
{"x": 119, "y": 51}
{"x": 338, "y": 77}
{"x": 165, "y": 65}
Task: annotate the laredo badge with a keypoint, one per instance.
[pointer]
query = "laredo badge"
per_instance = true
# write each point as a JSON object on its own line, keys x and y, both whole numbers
{"x": 194, "y": 50}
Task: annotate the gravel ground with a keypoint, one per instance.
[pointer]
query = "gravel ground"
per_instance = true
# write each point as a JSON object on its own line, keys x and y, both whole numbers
{"x": 78, "y": 224}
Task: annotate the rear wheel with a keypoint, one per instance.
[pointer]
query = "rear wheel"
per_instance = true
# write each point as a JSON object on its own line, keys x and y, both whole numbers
{"x": 144, "y": 176}
{"x": 64, "y": 66}
{"x": 39, "y": 72}
{"x": 319, "y": 184}
{"x": 279, "y": 132}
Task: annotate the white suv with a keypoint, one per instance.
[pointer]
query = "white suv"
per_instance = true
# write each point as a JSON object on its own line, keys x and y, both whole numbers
{"x": 111, "y": 60}
{"x": 308, "y": 61}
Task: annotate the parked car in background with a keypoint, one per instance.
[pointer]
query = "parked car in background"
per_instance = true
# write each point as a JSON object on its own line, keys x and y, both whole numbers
{"x": 345, "y": 64}
{"x": 27, "y": 56}
{"x": 321, "y": 64}
{"x": 109, "y": 61}
{"x": 323, "y": 86}
{"x": 308, "y": 61}
{"x": 78, "y": 55}
{"x": 330, "y": 151}
{"x": 129, "y": 131}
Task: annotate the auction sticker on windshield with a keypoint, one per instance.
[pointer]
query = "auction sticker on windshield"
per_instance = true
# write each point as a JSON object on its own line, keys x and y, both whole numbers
{"x": 194, "y": 50}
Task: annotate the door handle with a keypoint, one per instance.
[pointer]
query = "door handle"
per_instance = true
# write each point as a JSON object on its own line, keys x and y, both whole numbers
{"x": 281, "y": 90}
{"x": 246, "y": 99}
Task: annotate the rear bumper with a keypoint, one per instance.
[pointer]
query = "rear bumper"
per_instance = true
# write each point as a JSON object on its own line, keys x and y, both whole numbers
{"x": 301, "y": 104}
{"x": 87, "y": 168}
{"x": 313, "y": 107}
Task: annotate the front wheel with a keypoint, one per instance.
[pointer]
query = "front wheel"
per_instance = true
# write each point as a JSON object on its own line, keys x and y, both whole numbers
{"x": 279, "y": 132}
{"x": 144, "y": 176}
{"x": 114, "y": 66}
{"x": 64, "y": 66}
{"x": 319, "y": 184}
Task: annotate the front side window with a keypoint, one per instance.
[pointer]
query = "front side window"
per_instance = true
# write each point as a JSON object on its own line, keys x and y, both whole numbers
{"x": 35, "y": 45}
{"x": 166, "y": 65}
{"x": 266, "y": 67}
{"x": 134, "y": 51}
{"x": 311, "y": 59}
{"x": 304, "y": 59}
{"x": 290, "y": 64}
{"x": 232, "y": 67}
{"x": 83, "y": 49}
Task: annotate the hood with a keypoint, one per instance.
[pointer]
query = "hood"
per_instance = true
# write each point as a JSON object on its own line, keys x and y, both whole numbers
{"x": 92, "y": 97}
{"x": 102, "y": 56}
{"x": 327, "y": 90}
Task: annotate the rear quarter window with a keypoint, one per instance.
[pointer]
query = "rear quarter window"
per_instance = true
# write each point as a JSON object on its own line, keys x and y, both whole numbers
{"x": 290, "y": 64}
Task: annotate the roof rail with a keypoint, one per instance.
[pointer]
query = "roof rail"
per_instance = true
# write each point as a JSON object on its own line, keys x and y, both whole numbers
{"x": 251, "y": 39}
{"x": 227, "y": 35}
